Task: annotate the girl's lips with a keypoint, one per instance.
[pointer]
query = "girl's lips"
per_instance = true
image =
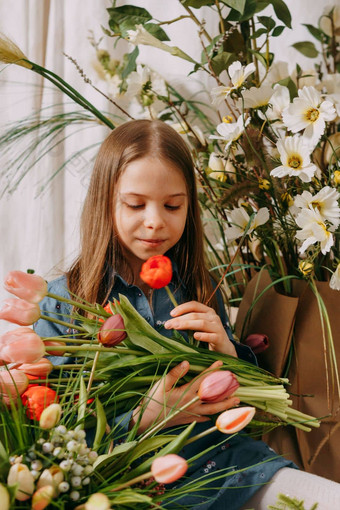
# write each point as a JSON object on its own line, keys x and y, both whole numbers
{"x": 152, "y": 242}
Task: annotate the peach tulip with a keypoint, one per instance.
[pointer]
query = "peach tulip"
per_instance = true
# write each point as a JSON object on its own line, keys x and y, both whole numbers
{"x": 20, "y": 475}
{"x": 12, "y": 383}
{"x": 21, "y": 345}
{"x": 51, "y": 343}
{"x": 4, "y": 497}
{"x": 169, "y": 468}
{"x": 19, "y": 312}
{"x": 42, "y": 497}
{"x": 112, "y": 331}
{"x": 41, "y": 368}
{"x": 217, "y": 386}
{"x": 50, "y": 416}
{"x": 98, "y": 501}
{"x": 234, "y": 420}
{"x": 31, "y": 287}
{"x": 52, "y": 477}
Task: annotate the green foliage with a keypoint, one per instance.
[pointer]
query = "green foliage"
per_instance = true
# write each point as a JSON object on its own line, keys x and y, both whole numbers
{"x": 307, "y": 48}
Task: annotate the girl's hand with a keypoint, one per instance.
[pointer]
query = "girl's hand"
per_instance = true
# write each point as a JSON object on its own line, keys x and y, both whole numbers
{"x": 164, "y": 397}
{"x": 205, "y": 322}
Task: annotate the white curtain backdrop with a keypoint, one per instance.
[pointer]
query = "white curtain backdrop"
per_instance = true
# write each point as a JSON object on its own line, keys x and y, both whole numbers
{"x": 40, "y": 230}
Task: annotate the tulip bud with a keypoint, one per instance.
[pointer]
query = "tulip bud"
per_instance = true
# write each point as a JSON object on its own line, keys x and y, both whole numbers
{"x": 4, "y": 497}
{"x": 20, "y": 474}
{"x": 169, "y": 468}
{"x": 31, "y": 287}
{"x": 50, "y": 416}
{"x": 19, "y": 312}
{"x": 42, "y": 497}
{"x": 217, "y": 386}
{"x": 306, "y": 267}
{"x": 51, "y": 477}
{"x": 50, "y": 343}
{"x": 112, "y": 331}
{"x": 234, "y": 420}
{"x": 157, "y": 271}
{"x": 21, "y": 345}
{"x": 40, "y": 369}
{"x": 98, "y": 501}
{"x": 12, "y": 383}
{"x": 36, "y": 399}
{"x": 257, "y": 342}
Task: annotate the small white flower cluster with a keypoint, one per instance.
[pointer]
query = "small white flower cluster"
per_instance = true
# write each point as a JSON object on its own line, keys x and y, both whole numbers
{"x": 63, "y": 460}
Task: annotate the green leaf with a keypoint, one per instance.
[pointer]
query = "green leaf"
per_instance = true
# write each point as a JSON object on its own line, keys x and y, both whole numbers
{"x": 262, "y": 57}
{"x": 267, "y": 22}
{"x": 282, "y": 12}
{"x": 278, "y": 31}
{"x": 237, "y": 5}
{"x": 249, "y": 10}
{"x": 258, "y": 33}
{"x": 197, "y": 4}
{"x": 156, "y": 31}
{"x": 307, "y": 49}
{"x": 221, "y": 62}
{"x": 288, "y": 82}
{"x": 316, "y": 32}
{"x": 119, "y": 14}
{"x": 131, "y": 63}
{"x": 4, "y": 462}
{"x": 120, "y": 449}
{"x": 81, "y": 404}
{"x": 101, "y": 424}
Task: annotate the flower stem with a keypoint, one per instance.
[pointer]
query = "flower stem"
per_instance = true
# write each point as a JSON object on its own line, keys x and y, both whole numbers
{"x": 171, "y": 296}
{"x": 63, "y": 323}
{"x": 139, "y": 478}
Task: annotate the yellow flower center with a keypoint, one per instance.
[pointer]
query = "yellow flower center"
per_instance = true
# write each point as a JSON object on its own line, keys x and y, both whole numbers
{"x": 312, "y": 114}
{"x": 227, "y": 119}
{"x": 337, "y": 177}
{"x": 317, "y": 205}
{"x": 295, "y": 161}
{"x": 306, "y": 267}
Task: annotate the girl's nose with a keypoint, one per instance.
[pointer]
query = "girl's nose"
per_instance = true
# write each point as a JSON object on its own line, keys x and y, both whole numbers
{"x": 153, "y": 218}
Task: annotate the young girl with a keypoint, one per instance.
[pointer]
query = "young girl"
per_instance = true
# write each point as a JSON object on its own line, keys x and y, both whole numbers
{"x": 142, "y": 201}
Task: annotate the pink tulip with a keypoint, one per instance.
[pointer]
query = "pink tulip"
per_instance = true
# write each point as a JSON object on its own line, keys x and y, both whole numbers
{"x": 41, "y": 368}
{"x": 12, "y": 383}
{"x": 19, "y": 312}
{"x": 234, "y": 420}
{"x": 257, "y": 342}
{"x": 21, "y": 345}
{"x": 20, "y": 475}
{"x": 51, "y": 343}
{"x": 217, "y": 386}
{"x": 31, "y": 287}
{"x": 169, "y": 468}
{"x": 112, "y": 331}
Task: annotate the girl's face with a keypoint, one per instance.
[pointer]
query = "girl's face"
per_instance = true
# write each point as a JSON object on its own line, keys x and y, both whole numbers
{"x": 150, "y": 209}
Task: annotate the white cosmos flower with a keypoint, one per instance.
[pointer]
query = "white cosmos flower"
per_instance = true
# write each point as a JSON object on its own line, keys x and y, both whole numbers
{"x": 139, "y": 78}
{"x": 231, "y": 131}
{"x": 279, "y": 101}
{"x": 295, "y": 159}
{"x": 183, "y": 129}
{"x": 309, "y": 112}
{"x": 325, "y": 201}
{"x": 238, "y": 74}
{"x": 255, "y": 97}
{"x": 240, "y": 219}
{"x": 313, "y": 230}
{"x": 335, "y": 280}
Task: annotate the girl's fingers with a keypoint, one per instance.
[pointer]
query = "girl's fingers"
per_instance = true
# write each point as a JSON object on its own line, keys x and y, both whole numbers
{"x": 194, "y": 321}
{"x": 175, "y": 374}
{"x": 189, "y": 306}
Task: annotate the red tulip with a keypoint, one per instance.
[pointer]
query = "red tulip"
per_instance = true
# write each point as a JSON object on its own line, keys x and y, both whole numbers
{"x": 19, "y": 312}
{"x": 12, "y": 383}
{"x": 257, "y": 342}
{"x": 31, "y": 287}
{"x": 41, "y": 368}
{"x": 217, "y": 386}
{"x": 157, "y": 271}
{"x": 234, "y": 420}
{"x": 36, "y": 399}
{"x": 112, "y": 331}
{"x": 21, "y": 345}
{"x": 169, "y": 468}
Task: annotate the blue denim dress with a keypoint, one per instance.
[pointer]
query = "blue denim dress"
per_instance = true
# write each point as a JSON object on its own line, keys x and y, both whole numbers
{"x": 231, "y": 491}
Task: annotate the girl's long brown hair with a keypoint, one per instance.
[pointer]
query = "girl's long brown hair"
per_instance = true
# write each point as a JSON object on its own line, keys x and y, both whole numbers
{"x": 91, "y": 277}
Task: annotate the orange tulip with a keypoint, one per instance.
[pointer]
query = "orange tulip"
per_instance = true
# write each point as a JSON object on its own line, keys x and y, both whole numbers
{"x": 50, "y": 343}
{"x": 31, "y": 287}
{"x": 21, "y": 345}
{"x": 40, "y": 369}
{"x": 157, "y": 271}
{"x": 234, "y": 420}
{"x": 169, "y": 468}
{"x": 19, "y": 312}
{"x": 42, "y": 497}
{"x": 36, "y": 399}
{"x": 112, "y": 331}
{"x": 217, "y": 386}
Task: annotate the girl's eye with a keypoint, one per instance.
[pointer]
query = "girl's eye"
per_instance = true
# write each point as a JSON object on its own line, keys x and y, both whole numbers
{"x": 135, "y": 206}
{"x": 172, "y": 207}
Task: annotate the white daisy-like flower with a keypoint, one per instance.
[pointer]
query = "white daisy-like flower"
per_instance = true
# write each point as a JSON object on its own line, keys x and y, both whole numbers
{"x": 255, "y": 97}
{"x": 114, "y": 83}
{"x": 325, "y": 201}
{"x": 295, "y": 159}
{"x": 231, "y": 131}
{"x": 238, "y": 74}
{"x": 139, "y": 78}
{"x": 240, "y": 219}
{"x": 279, "y": 101}
{"x": 335, "y": 279}
{"x": 309, "y": 112}
{"x": 183, "y": 129}
{"x": 313, "y": 230}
